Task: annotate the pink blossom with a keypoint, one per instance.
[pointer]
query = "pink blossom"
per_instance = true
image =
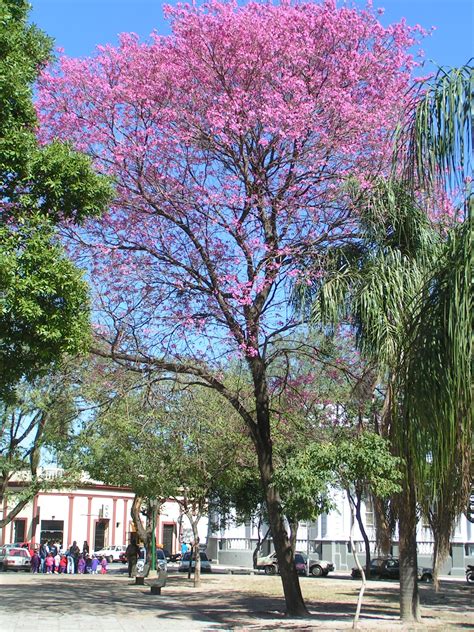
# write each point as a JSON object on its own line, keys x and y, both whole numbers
{"x": 230, "y": 142}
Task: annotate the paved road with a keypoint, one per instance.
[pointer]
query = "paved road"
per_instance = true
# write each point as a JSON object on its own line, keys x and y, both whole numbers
{"x": 45, "y": 603}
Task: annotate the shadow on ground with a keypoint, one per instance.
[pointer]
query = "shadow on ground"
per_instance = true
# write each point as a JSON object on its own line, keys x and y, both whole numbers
{"x": 222, "y": 608}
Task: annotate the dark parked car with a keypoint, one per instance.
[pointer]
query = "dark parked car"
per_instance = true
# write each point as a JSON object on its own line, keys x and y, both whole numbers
{"x": 389, "y": 568}
{"x": 205, "y": 563}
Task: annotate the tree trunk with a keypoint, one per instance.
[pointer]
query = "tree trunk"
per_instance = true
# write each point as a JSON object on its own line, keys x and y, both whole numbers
{"x": 293, "y": 532}
{"x": 143, "y": 532}
{"x": 260, "y": 542}
{"x": 360, "y": 522}
{"x": 261, "y": 435}
{"x": 409, "y": 597}
{"x": 295, "y": 606}
{"x": 383, "y": 528}
{"x": 196, "y": 553}
{"x": 355, "y": 623}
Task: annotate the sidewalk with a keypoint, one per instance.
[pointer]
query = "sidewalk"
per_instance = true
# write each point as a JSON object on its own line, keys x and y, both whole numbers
{"x": 95, "y": 603}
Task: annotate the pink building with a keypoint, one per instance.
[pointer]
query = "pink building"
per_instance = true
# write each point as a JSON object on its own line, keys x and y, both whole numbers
{"x": 97, "y": 513}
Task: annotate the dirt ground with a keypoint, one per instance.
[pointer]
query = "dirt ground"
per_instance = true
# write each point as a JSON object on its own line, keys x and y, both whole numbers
{"x": 255, "y": 603}
{"x": 224, "y": 602}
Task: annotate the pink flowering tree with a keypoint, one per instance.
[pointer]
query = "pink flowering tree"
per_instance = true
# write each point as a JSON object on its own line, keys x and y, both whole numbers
{"x": 230, "y": 142}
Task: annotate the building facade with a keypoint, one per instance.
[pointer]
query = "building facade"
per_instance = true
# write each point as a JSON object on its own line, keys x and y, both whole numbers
{"x": 328, "y": 538}
{"x": 93, "y": 512}
{"x": 100, "y": 515}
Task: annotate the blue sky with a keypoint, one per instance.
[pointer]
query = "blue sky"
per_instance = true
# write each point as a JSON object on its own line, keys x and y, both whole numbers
{"x": 79, "y": 25}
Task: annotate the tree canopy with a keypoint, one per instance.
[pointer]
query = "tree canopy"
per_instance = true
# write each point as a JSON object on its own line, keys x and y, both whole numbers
{"x": 44, "y": 302}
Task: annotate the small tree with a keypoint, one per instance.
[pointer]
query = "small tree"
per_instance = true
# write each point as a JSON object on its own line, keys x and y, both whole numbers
{"x": 32, "y": 425}
{"x": 357, "y": 464}
{"x": 162, "y": 443}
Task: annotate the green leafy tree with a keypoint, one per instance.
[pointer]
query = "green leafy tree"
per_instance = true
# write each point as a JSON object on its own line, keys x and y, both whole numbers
{"x": 43, "y": 298}
{"x": 162, "y": 442}
{"x": 360, "y": 465}
{"x": 30, "y": 426}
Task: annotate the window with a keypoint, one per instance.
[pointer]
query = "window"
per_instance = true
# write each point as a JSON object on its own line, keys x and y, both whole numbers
{"x": 101, "y": 534}
{"x": 19, "y": 530}
{"x": 369, "y": 512}
{"x": 52, "y": 530}
{"x": 324, "y": 525}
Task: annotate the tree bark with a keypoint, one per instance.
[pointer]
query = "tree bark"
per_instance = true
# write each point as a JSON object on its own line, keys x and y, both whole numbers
{"x": 261, "y": 435}
{"x": 295, "y": 606}
{"x": 360, "y": 598}
{"x": 293, "y": 532}
{"x": 143, "y": 532}
{"x": 196, "y": 556}
{"x": 383, "y": 528}
{"x": 409, "y": 597}
{"x": 260, "y": 542}
{"x": 358, "y": 506}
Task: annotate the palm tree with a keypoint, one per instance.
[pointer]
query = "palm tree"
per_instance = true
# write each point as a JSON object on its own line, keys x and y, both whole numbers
{"x": 405, "y": 288}
{"x": 434, "y": 149}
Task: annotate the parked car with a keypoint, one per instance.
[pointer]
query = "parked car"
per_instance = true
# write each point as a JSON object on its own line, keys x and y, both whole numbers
{"x": 205, "y": 563}
{"x": 470, "y": 574}
{"x": 111, "y": 553}
{"x": 173, "y": 557}
{"x": 12, "y": 559}
{"x": 160, "y": 559}
{"x": 389, "y": 568}
{"x": 317, "y": 568}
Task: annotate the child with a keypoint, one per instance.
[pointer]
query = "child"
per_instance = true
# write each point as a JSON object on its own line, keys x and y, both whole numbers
{"x": 49, "y": 563}
{"x": 35, "y": 562}
{"x": 94, "y": 565}
{"x": 81, "y": 565}
{"x": 63, "y": 564}
{"x": 57, "y": 561}
{"x": 88, "y": 564}
{"x": 103, "y": 566}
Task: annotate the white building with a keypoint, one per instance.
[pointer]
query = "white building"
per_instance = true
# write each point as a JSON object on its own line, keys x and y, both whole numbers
{"x": 328, "y": 538}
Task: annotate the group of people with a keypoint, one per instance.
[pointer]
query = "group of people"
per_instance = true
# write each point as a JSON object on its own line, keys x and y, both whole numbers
{"x": 50, "y": 559}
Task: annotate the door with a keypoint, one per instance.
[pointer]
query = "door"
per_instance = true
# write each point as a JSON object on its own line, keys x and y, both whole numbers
{"x": 52, "y": 531}
{"x": 168, "y": 533}
{"x": 101, "y": 534}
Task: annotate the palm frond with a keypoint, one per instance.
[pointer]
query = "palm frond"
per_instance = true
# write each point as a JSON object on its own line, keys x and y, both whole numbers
{"x": 435, "y": 144}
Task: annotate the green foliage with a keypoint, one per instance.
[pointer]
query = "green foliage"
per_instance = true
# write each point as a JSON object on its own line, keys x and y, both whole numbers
{"x": 161, "y": 441}
{"x": 304, "y": 482}
{"x": 406, "y": 289}
{"x": 362, "y": 462}
{"x": 44, "y": 306}
{"x": 373, "y": 284}
{"x": 43, "y": 299}
{"x": 435, "y": 381}
{"x": 365, "y": 462}
{"x": 435, "y": 144}
{"x": 39, "y": 415}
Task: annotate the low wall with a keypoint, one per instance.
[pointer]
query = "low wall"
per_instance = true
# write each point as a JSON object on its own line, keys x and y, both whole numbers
{"x": 234, "y": 557}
